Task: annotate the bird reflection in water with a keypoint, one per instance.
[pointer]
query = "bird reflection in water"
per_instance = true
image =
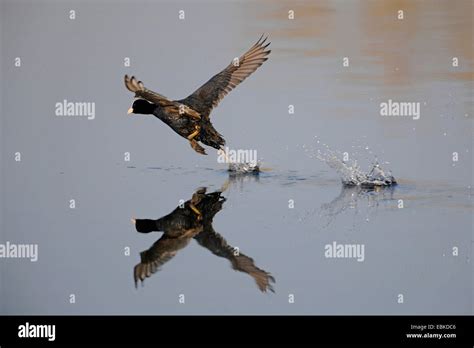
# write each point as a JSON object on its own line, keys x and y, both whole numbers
{"x": 193, "y": 220}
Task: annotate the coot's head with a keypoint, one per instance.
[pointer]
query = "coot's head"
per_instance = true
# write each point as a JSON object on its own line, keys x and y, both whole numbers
{"x": 141, "y": 106}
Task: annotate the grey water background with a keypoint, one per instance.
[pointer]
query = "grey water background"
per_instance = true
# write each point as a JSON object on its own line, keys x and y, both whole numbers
{"x": 407, "y": 251}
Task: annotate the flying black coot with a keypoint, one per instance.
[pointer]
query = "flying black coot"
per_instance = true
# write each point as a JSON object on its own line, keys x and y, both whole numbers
{"x": 189, "y": 117}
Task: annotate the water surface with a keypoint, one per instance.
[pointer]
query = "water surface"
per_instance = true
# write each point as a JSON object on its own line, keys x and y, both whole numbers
{"x": 84, "y": 251}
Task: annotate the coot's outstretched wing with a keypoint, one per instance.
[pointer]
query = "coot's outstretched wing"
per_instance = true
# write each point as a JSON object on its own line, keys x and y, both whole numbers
{"x": 170, "y": 106}
{"x": 204, "y": 99}
{"x": 160, "y": 253}
{"x": 216, "y": 244}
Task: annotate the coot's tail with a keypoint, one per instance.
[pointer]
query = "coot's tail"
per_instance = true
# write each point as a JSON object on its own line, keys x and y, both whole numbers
{"x": 210, "y": 136}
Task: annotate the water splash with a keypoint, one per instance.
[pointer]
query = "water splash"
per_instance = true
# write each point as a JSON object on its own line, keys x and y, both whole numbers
{"x": 350, "y": 172}
{"x": 244, "y": 168}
